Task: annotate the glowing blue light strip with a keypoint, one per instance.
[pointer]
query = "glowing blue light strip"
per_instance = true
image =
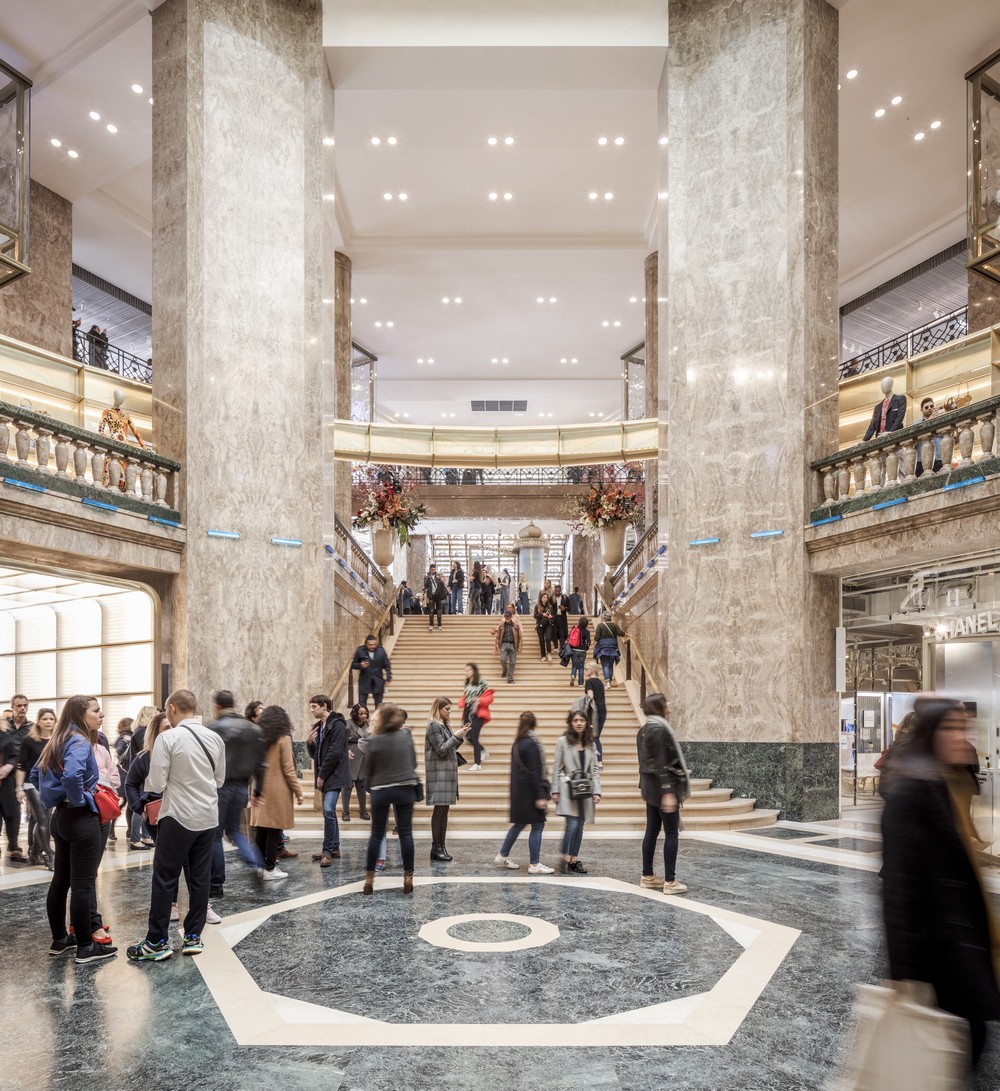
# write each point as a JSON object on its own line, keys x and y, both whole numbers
{"x": 889, "y": 503}
{"x": 962, "y": 484}
{"x": 163, "y": 522}
{"x": 703, "y": 541}
{"x": 830, "y": 519}
{"x": 286, "y": 541}
{"x": 98, "y": 504}
{"x": 223, "y": 533}
{"x": 330, "y": 550}
{"x": 766, "y": 533}
{"x": 23, "y": 484}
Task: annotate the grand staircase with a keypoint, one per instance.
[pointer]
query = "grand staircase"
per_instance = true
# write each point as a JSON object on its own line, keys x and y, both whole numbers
{"x": 426, "y": 665}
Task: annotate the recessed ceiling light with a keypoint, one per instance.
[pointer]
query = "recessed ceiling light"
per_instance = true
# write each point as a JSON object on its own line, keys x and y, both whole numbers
{"x": 605, "y": 323}
{"x": 95, "y": 116}
{"x": 918, "y": 136}
{"x": 852, "y": 74}
{"x": 55, "y": 142}
{"x": 378, "y": 323}
{"x": 935, "y": 124}
{"x": 395, "y": 414}
{"x": 495, "y": 360}
{"x": 329, "y": 141}
{"x": 458, "y": 299}
{"x": 137, "y": 88}
{"x": 328, "y": 196}
{"x": 896, "y": 100}
{"x": 389, "y": 324}
{"x": 491, "y": 141}
{"x": 617, "y": 323}
{"x": 880, "y": 112}
{"x": 391, "y": 140}
{"x": 451, "y": 414}
{"x": 633, "y": 299}
{"x": 504, "y": 360}
{"x": 541, "y": 414}
{"x": 363, "y": 300}
{"x": 73, "y": 155}
{"x": 572, "y": 360}
{"x": 376, "y": 141}
{"x": 592, "y": 196}
{"x": 444, "y": 414}
{"x": 664, "y": 139}
{"x": 150, "y": 102}
{"x": 387, "y": 196}
{"x": 600, "y": 414}
{"x": 445, "y": 299}
{"x": 508, "y": 140}
{"x": 508, "y": 196}
{"x": 602, "y": 140}
{"x": 112, "y": 128}
{"x": 564, "y": 361}
{"x": 406, "y": 415}
{"x": 403, "y": 197}
{"x": 548, "y": 414}
{"x": 493, "y": 196}
{"x": 430, "y": 359}
{"x": 593, "y": 414}
{"x": 540, "y": 299}
{"x": 420, "y": 359}
{"x": 328, "y": 301}
{"x": 552, "y": 299}
{"x": 619, "y": 140}
{"x": 608, "y": 196}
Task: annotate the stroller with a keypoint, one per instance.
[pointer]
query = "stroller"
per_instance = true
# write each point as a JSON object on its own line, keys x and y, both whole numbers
{"x": 40, "y": 847}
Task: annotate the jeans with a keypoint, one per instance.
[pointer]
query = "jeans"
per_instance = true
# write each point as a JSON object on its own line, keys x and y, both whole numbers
{"x": 400, "y": 798}
{"x": 176, "y": 846}
{"x": 268, "y": 842}
{"x": 136, "y": 827}
{"x": 76, "y": 837}
{"x": 457, "y": 606}
{"x": 433, "y": 608}
{"x": 573, "y": 837}
{"x": 232, "y": 804}
{"x": 534, "y": 840}
{"x": 578, "y": 659}
{"x": 608, "y": 666}
{"x": 601, "y": 717}
{"x": 331, "y": 828}
{"x": 671, "y": 822}
{"x": 473, "y": 737}
{"x": 508, "y": 658}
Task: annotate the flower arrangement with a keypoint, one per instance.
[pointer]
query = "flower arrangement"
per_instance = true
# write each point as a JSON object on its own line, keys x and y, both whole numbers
{"x": 388, "y": 503}
{"x": 608, "y": 501}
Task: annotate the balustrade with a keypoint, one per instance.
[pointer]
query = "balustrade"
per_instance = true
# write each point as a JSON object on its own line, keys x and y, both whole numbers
{"x": 417, "y": 477}
{"x": 643, "y": 553}
{"x": 350, "y": 550}
{"x": 84, "y": 462}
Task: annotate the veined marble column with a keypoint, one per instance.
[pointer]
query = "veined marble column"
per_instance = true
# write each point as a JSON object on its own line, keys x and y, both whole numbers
{"x": 750, "y": 367}
{"x": 342, "y": 374}
{"x": 238, "y": 270}
{"x": 418, "y": 560}
{"x": 984, "y": 301}
{"x": 652, "y": 272}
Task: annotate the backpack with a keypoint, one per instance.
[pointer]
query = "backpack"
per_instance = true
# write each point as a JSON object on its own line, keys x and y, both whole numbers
{"x": 575, "y": 639}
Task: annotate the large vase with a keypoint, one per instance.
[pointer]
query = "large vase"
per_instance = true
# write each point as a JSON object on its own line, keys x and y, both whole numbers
{"x": 613, "y": 543}
{"x": 383, "y": 546}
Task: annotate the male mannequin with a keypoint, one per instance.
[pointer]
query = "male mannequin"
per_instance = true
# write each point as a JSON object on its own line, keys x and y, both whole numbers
{"x": 889, "y": 414}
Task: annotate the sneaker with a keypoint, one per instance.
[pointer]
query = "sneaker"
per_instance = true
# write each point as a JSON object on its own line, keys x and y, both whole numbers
{"x": 175, "y": 914}
{"x": 651, "y": 882}
{"x": 149, "y": 952}
{"x": 503, "y": 861}
{"x": 274, "y": 873}
{"x": 486, "y": 753}
{"x": 540, "y": 869}
{"x": 674, "y": 887}
{"x": 211, "y": 917}
{"x": 96, "y": 952}
{"x": 475, "y": 768}
{"x": 577, "y": 868}
{"x": 61, "y": 946}
{"x": 192, "y": 944}
{"x": 380, "y": 865}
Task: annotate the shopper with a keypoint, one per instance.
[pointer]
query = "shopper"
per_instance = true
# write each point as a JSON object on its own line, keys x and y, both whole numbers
{"x": 435, "y": 591}
{"x": 441, "y": 771}
{"x": 245, "y": 762}
{"x": 665, "y": 784}
{"x": 138, "y": 835}
{"x": 507, "y": 636}
{"x": 32, "y": 746}
{"x": 327, "y": 746}
{"x": 937, "y": 919}
{"x": 476, "y": 589}
{"x": 606, "y": 649}
{"x": 579, "y": 642}
{"x": 273, "y": 809}
{"x": 12, "y": 733}
{"x": 374, "y": 670}
{"x": 544, "y": 626}
{"x": 456, "y": 587}
{"x": 188, "y": 765}
{"x": 358, "y": 729}
{"x": 475, "y": 705}
{"x": 523, "y": 597}
{"x": 66, "y": 776}
{"x": 253, "y": 710}
{"x": 505, "y": 582}
{"x": 593, "y": 687}
{"x": 529, "y": 796}
{"x": 392, "y": 770}
{"x": 122, "y": 740}
{"x": 576, "y": 786}
{"x": 560, "y": 616}
{"x": 108, "y": 775}
{"x": 489, "y": 583}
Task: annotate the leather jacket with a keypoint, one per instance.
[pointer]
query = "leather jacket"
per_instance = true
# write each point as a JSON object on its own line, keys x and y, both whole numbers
{"x": 246, "y": 755}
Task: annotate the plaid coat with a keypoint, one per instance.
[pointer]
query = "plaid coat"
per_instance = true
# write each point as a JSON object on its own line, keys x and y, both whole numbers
{"x": 441, "y": 765}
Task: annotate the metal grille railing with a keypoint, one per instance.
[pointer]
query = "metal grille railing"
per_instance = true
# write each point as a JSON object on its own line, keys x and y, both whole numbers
{"x": 96, "y": 352}
{"x": 949, "y": 327}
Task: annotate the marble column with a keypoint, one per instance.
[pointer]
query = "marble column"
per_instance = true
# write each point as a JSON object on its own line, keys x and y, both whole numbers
{"x": 984, "y": 301}
{"x": 241, "y": 334}
{"x": 342, "y": 374}
{"x": 652, "y": 273}
{"x": 588, "y": 568}
{"x": 749, "y": 384}
{"x": 418, "y": 559}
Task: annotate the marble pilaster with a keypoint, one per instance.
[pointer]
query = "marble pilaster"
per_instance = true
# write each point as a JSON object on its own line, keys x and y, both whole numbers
{"x": 984, "y": 301}
{"x": 342, "y": 373}
{"x": 652, "y": 280}
{"x": 418, "y": 559}
{"x": 238, "y": 250}
{"x": 588, "y": 568}
{"x": 750, "y": 384}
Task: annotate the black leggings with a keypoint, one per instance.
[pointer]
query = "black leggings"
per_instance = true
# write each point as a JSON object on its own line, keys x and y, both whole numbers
{"x": 345, "y": 799}
{"x": 439, "y": 824}
{"x": 476, "y": 725}
{"x": 544, "y": 640}
{"x": 268, "y": 841}
{"x": 670, "y": 821}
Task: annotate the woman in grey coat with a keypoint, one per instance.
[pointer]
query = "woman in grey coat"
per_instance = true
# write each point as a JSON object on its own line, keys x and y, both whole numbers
{"x": 441, "y": 771}
{"x": 575, "y": 758}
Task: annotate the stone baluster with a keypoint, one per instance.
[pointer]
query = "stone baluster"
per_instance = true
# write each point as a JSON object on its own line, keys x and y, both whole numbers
{"x": 987, "y": 434}
{"x": 859, "y": 477}
{"x": 843, "y": 481}
{"x": 5, "y": 423}
{"x": 908, "y": 459}
{"x": 926, "y": 447}
{"x": 160, "y": 482}
{"x": 947, "y": 435}
{"x": 114, "y": 471}
{"x": 22, "y": 442}
{"x": 966, "y": 442}
{"x": 43, "y": 448}
{"x": 131, "y": 473}
{"x": 62, "y": 455}
{"x": 146, "y": 482}
{"x": 891, "y": 467}
{"x": 876, "y": 470}
{"x": 829, "y": 485}
{"x": 97, "y": 460}
{"x": 80, "y": 460}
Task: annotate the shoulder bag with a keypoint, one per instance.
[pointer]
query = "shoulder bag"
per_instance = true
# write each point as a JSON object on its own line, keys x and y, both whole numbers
{"x": 106, "y": 799}
{"x": 581, "y": 783}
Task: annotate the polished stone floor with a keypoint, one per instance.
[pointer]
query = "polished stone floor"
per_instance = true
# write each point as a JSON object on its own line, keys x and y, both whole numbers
{"x": 307, "y": 984}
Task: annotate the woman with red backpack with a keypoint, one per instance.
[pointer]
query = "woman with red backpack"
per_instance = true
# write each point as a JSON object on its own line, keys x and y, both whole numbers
{"x": 579, "y": 643}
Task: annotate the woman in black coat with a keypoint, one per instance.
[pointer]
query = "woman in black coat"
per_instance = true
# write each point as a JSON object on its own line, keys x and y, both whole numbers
{"x": 529, "y": 796}
{"x": 937, "y": 921}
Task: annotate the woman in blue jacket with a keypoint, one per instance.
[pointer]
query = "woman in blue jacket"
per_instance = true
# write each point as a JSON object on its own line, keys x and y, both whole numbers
{"x": 66, "y": 775}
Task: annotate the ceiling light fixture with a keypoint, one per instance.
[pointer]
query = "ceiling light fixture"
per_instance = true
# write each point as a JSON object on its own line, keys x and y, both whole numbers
{"x": 55, "y": 142}
{"x": 495, "y": 360}
{"x": 592, "y": 196}
{"x": 633, "y": 299}
{"x": 605, "y": 323}
{"x": 619, "y": 140}
{"x": 404, "y": 197}
{"x": 493, "y": 196}
{"x": 896, "y": 100}
{"x": 880, "y": 112}
{"x": 137, "y": 88}
{"x": 451, "y": 414}
{"x": 420, "y": 359}
{"x": 430, "y": 359}
{"x": 379, "y": 324}
{"x": 376, "y": 141}
{"x": 852, "y": 74}
{"x": 564, "y": 361}
{"x": 112, "y": 128}
{"x": 391, "y": 140}
{"x": 72, "y": 154}
{"x": 95, "y": 116}
{"x": 593, "y": 414}
{"x": 602, "y": 140}
{"x": 328, "y": 196}
{"x": 504, "y": 360}
{"x": 918, "y": 136}
{"x": 458, "y": 299}
{"x": 491, "y": 141}
{"x": 552, "y": 299}
{"x": 328, "y": 141}
{"x": 445, "y": 299}
{"x": 617, "y": 323}
{"x": 608, "y": 196}
{"x": 387, "y": 196}
{"x": 664, "y": 139}
{"x": 508, "y": 140}
{"x": 389, "y": 324}
{"x": 935, "y": 124}
{"x": 573, "y": 360}
{"x": 151, "y": 102}
{"x": 508, "y": 196}
{"x": 540, "y": 299}
{"x": 363, "y": 300}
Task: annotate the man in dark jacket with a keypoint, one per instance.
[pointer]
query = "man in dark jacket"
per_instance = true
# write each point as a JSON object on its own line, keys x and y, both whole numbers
{"x": 436, "y": 591}
{"x": 328, "y": 748}
{"x": 12, "y": 732}
{"x": 246, "y": 758}
{"x": 375, "y": 670}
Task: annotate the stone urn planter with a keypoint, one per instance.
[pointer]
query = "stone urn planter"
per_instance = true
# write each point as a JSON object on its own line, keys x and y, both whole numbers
{"x": 383, "y": 545}
{"x": 613, "y": 543}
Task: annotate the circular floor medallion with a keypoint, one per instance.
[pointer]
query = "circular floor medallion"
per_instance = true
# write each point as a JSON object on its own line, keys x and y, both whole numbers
{"x": 527, "y": 932}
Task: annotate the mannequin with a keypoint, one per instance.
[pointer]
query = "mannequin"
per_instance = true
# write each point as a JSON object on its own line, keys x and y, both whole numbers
{"x": 889, "y": 414}
{"x": 117, "y": 423}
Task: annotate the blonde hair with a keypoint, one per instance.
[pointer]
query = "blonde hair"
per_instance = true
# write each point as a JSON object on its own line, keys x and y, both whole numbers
{"x": 439, "y": 703}
{"x": 154, "y": 729}
{"x": 144, "y": 717}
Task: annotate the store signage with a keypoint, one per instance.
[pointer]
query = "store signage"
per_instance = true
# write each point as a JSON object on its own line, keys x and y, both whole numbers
{"x": 986, "y": 621}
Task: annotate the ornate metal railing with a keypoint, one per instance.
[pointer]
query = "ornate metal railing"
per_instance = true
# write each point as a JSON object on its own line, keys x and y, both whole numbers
{"x": 884, "y": 471}
{"x": 92, "y": 467}
{"x": 366, "y": 572}
{"x": 96, "y": 352}
{"x": 421, "y": 476}
{"x": 949, "y": 327}
{"x": 639, "y": 560}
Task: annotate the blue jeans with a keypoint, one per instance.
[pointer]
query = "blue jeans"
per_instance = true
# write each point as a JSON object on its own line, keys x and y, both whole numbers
{"x": 573, "y": 837}
{"x": 331, "y": 827}
{"x": 534, "y": 840}
{"x": 608, "y": 666}
{"x": 578, "y": 659}
{"x": 232, "y": 804}
{"x": 457, "y": 606}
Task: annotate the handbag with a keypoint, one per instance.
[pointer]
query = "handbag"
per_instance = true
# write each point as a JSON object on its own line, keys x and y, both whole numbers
{"x": 418, "y": 791}
{"x": 108, "y": 806}
{"x": 581, "y": 784}
{"x": 151, "y": 812}
{"x": 901, "y": 1040}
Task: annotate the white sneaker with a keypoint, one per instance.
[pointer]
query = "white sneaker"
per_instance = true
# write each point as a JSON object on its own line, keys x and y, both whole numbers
{"x": 174, "y": 913}
{"x": 486, "y": 754}
{"x": 540, "y": 869}
{"x": 674, "y": 887}
{"x": 474, "y": 768}
{"x": 503, "y": 861}
{"x": 211, "y": 917}
{"x": 270, "y": 876}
